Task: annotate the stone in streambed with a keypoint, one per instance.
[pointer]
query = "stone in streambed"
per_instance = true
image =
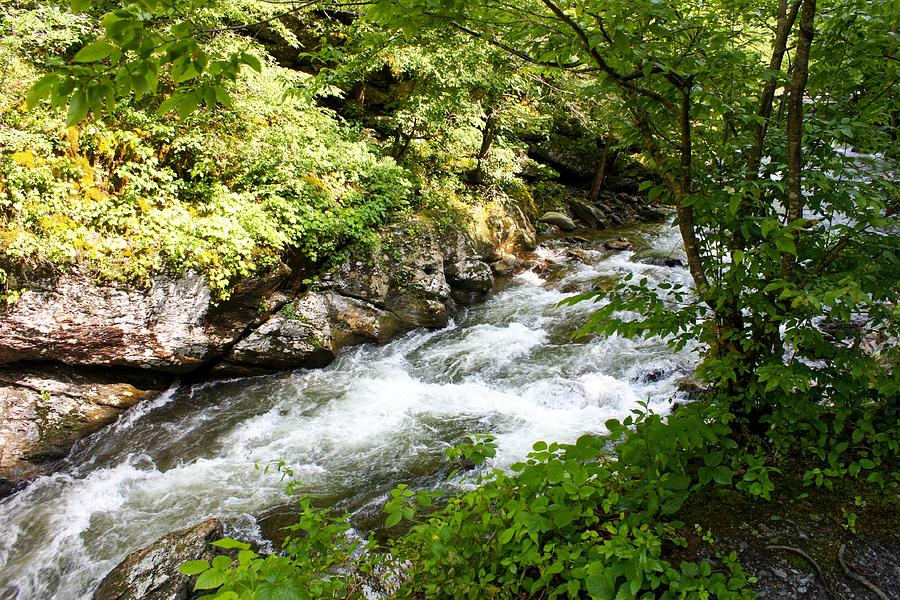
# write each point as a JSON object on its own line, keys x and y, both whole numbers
{"x": 591, "y": 216}
{"x": 559, "y": 220}
{"x": 618, "y": 245}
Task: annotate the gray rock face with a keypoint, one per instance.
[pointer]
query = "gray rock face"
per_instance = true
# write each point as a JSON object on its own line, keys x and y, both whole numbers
{"x": 413, "y": 280}
{"x": 309, "y": 331}
{"x": 357, "y": 322}
{"x": 169, "y": 327}
{"x": 558, "y": 219}
{"x": 298, "y": 336}
{"x": 469, "y": 277}
{"x": 589, "y": 215}
{"x": 419, "y": 293}
{"x": 151, "y": 573}
{"x": 45, "y": 410}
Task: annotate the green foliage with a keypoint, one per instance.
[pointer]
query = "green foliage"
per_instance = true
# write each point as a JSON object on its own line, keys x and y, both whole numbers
{"x": 227, "y": 192}
{"x": 312, "y": 564}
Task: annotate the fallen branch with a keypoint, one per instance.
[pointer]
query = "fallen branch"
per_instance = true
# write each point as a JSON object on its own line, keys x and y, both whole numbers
{"x": 857, "y": 577}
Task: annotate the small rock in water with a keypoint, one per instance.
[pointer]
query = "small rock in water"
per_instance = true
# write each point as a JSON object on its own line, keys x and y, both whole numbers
{"x": 664, "y": 261}
{"x": 558, "y": 219}
{"x": 618, "y": 245}
{"x": 651, "y": 215}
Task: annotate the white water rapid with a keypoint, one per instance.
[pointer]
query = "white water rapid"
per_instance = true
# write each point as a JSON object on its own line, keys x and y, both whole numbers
{"x": 378, "y": 416}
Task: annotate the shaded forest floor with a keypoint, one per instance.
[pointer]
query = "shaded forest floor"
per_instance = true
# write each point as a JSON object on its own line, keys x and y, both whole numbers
{"x": 769, "y": 538}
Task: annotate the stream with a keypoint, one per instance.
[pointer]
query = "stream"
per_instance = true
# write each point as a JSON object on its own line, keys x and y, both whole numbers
{"x": 378, "y": 416}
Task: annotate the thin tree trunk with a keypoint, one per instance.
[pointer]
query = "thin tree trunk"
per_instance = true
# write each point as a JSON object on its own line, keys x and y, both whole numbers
{"x": 785, "y": 24}
{"x": 795, "y": 126}
{"x": 488, "y": 133}
{"x": 600, "y": 173}
{"x": 684, "y": 210}
{"x": 783, "y": 29}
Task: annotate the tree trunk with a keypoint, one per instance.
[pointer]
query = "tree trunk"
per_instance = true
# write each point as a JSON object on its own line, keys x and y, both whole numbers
{"x": 795, "y": 127}
{"x": 785, "y": 24}
{"x": 488, "y": 133}
{"x": 600, "y": 173}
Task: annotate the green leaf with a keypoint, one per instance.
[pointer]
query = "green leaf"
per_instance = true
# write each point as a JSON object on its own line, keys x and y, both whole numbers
{"x": 393, "y": 519}
{"x": 677, "y": 482}
{"x": 220, "y": 563}
{"x": 169, "y": 104}
{"x": 786, "y": 245}
{"x": 189, "y": 104}
{"x": 78, "y": 108}
{"x": 722, "y": 475}
{"x": 94, "y": 51}
{"x": 230, "y": 544}
{"x": 41, "y": 89}
{"x": 251, "y": 61}
{"x": 79, "y": 6}
{"x": 209, "y": 580}
{"x": 193, "y": 567}
{"x": 713, "y": 459}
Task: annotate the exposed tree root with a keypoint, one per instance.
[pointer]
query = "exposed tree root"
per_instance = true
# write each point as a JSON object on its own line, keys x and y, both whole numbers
{"x": 859, "y": 578}
{"x": 803, "y": 554}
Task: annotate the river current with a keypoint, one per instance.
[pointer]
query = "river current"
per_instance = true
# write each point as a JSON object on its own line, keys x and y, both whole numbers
{"x": 378, "y": 416}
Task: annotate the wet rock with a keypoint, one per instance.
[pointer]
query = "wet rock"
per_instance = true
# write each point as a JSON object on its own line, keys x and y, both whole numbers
{"x": 151, "y": 573}
{"x": 591, "y": 216}
{"x": 45, "y": 410}
{"x": 651, "y": 215}
{"x": 357, "y": 322}
{"x": 506, "y": 266}
{"x": 9, "y": 487}
{"x": 169, "y": 327}
{"x": 663, "y": 261}
{"x": 559, "y": 220}
{"x": 618, "y": 245}
{"x": 298, "y": 336}
{"x": 469, "y": 277}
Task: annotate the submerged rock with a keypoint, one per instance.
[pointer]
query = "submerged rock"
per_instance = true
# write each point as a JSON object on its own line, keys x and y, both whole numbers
{"x": 663, "y": 261}
{"x": 151, "y": 573}
{"x": 559, "y": 220}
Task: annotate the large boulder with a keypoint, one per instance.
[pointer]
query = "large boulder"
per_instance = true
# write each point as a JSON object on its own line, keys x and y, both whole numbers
{"x": 590, "y": 215}
{"x": 45, "y": 410}
{"x": 419, "y": 294}
{"x": 151, "y": 573}
{"x": 299, "y": 335}
{"x": 355, "y": 322}
{"x": 171, "y": 326}
{"x": 469, "y": 277}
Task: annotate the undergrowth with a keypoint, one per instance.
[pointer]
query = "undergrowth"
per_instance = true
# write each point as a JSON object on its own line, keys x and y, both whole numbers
{"x": 599, "y": 518}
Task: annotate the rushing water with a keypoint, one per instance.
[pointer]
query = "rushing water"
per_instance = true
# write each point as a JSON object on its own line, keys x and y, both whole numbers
{"x": 378, "y": 416}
